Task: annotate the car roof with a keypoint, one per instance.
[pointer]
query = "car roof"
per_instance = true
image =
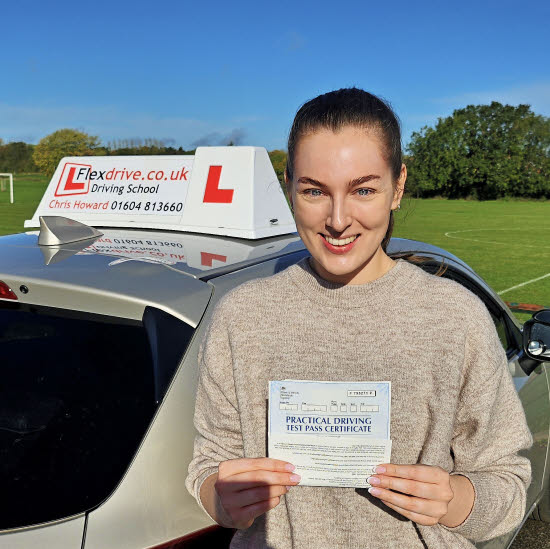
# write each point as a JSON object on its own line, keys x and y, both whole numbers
{"x": 69, "y": 278}
{"x": 123, "y": 254}
{"x": 196, "y": 255}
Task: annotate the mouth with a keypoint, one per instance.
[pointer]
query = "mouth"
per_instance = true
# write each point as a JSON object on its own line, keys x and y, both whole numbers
{"x": 339, "y": 245}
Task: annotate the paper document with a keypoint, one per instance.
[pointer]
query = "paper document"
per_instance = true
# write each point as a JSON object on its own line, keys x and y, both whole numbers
{"x": 335, "y": 433}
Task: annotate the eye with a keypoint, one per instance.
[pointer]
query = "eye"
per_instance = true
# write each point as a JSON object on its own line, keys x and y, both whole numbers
{"x": 364, "y": 191}
{"x": 313, "y": 192}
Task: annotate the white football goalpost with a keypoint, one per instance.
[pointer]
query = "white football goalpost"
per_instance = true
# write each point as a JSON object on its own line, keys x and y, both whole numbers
{"x": 3, "y": 182}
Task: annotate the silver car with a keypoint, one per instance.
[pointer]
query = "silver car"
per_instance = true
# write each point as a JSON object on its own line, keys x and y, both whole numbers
{"x": 100, "y": 334}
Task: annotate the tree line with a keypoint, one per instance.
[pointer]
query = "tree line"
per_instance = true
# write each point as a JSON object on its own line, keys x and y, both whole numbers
{"x": 17, "y": 158}
{"x": 482, "y": 152}
{"x": 479, "y": 152}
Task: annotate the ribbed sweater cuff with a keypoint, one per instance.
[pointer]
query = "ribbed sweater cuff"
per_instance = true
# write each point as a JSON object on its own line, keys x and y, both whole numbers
{"x": 198, "y": 483}
{"x": 480, "y": 519}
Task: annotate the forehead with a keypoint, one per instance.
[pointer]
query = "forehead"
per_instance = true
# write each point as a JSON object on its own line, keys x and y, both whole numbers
{"x": 339, "y": 156}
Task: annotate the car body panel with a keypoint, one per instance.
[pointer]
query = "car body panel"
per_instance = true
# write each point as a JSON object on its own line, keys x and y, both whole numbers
{"x": 63, "y": 534}
{"x": 91, "y": 283}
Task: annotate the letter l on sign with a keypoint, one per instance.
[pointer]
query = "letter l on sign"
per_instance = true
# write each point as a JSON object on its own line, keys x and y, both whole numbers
{"x": 71, "y": 184}
{"x": 212, "y": 193}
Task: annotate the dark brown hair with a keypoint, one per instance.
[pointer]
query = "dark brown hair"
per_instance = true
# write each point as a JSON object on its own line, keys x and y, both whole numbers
{"x": 348, "y": 107}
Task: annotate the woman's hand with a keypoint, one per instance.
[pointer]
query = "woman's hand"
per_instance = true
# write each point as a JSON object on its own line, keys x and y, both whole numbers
{"x": 424, "y": 494}
{"x": 247, "y": 488}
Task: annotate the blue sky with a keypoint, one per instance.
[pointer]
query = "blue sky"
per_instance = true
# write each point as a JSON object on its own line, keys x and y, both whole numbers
{"x": 205, "y": 72}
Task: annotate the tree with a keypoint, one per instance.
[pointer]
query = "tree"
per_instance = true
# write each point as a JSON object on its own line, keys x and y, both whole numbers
{"x": 67, "y": 142}
{"x": 278, "y": 159}
{"x": 484, "y": 152}
{"x": 16, "y": 157}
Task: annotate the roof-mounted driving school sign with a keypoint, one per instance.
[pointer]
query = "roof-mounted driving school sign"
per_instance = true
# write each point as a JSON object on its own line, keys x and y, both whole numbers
{"x": 230, "y": 191}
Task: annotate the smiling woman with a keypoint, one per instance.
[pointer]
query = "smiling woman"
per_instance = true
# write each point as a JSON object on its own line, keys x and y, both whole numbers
{"x": 342, "y": 217}
{"x": 351, "y": 313}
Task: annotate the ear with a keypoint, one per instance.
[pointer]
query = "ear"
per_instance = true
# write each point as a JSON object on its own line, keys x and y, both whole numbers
{"x": 399, "y": 187}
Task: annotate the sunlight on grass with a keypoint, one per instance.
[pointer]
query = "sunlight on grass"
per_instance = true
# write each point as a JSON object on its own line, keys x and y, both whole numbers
{"x": 504, "y": 241}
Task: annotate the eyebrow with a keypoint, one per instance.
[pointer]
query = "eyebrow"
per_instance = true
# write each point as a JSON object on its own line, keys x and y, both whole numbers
{"x": 351, "y": 184}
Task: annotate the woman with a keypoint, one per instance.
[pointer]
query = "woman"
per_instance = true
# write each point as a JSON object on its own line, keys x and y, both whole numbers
{"x": 352, "y": 313}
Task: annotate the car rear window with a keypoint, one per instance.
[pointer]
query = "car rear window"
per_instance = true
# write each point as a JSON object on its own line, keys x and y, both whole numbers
{"x": 77, "y": 394}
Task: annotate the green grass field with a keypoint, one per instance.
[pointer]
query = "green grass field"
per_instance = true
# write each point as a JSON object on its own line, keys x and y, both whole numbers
{"x": 27, "y": 190}
{"x": 506, "y": 242}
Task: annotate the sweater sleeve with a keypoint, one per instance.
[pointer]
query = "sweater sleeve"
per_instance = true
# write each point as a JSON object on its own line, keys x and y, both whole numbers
{"x": 490, "y": 429}
{"x": 218, "y": 435}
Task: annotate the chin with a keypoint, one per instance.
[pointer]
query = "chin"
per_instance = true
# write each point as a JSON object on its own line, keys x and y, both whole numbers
{"x": 339, "y": 267}
{"x": 344, "y": 265}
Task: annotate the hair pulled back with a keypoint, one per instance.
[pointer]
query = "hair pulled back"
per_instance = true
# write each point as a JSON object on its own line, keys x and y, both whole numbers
{"x": 350, "y": 107}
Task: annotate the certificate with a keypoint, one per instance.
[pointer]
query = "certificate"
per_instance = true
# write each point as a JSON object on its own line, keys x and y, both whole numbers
{"x": 335, "y": 433}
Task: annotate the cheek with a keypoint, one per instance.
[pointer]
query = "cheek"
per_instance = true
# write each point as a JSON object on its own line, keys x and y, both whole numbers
{"x": 372, "y": 216}
{"x": 310, "y": 215}
{"x": 307, "y": 227}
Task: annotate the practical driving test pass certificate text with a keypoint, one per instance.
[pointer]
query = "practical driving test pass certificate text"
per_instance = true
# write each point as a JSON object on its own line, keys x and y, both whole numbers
{"x": 335, "y": 433}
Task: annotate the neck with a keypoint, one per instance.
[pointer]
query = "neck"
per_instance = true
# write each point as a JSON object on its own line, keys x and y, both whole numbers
{"x": 378, "y": 265}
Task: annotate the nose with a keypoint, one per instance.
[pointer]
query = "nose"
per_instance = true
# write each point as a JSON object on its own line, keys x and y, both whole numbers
{"x": 339, "y": 217}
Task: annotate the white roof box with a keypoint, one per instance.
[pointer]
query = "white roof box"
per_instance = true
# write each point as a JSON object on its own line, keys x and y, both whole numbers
{"x": 231, "y": 191}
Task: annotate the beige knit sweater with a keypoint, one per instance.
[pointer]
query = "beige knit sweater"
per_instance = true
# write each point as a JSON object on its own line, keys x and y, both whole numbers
{"x": 453, "y": 400}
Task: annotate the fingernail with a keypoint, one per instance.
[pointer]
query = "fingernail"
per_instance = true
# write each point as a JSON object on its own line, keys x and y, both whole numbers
{"x": 374, "y": 491}
{"x": 380, "y": 469}
{"x": 289, "y": 467}
{"x": 374, "y": 481}
{"x": 295, "y": 478}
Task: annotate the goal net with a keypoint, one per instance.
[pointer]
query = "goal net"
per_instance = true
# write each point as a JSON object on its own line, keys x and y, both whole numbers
{"x": 6, "y": 186}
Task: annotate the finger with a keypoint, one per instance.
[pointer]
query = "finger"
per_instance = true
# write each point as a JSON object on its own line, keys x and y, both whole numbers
{"x": 251, "y": 479}
{"x": 235, "y": 466}
{"x": 422, "y": 473}
{"x": 245, "y": 498}
{"x": 416, "y": 505}
{"x": 424, "y": 490}
{"x": 415, "y": 517}
{"x": 245, "y": 516}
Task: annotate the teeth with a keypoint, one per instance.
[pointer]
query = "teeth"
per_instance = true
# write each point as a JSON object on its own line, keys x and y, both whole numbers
{"x": 339, "y": 242}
